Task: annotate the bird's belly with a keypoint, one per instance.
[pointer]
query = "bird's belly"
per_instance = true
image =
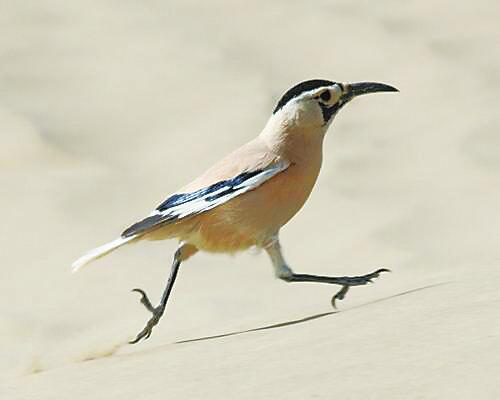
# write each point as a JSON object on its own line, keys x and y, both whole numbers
{"x": 252, "y": 218}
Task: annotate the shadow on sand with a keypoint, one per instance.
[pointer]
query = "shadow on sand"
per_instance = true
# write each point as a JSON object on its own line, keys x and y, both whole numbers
{"x": 309, "y": 318}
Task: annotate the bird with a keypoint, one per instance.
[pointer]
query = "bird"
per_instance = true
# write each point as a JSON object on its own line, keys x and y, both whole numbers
{"x": 245, "y": 199}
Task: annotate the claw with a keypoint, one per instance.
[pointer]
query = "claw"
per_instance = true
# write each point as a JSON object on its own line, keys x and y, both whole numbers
{"x": 157, "y": 313}
{"x": 378, "y": 271}
{"x": 136, "y": 340}
{"x": 356, "y": 281}
{"x": 340, "y": 295}
{"x": 145, "y": 299}
{"x": 146, "y": 332}
{"x": 375, "y": 274}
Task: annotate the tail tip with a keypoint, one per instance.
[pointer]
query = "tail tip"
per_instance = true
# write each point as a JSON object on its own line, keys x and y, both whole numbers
{"x": 77, "y": 265}
{"x": 99, "y": 252}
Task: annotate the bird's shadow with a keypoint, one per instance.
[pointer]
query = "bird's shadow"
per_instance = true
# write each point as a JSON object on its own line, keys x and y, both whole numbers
{"x": 306, "y": 319}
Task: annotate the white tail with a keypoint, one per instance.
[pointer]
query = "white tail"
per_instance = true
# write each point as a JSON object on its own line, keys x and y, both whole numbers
{"x": 99, "y": 252}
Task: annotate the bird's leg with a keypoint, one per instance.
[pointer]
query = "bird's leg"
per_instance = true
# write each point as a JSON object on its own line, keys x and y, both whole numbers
{"x": 160, "y": 309}
{"x": 284, "y": 272}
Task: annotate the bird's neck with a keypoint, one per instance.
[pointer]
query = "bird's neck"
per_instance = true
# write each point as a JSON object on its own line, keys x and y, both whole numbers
{"x": 298, "y": 145}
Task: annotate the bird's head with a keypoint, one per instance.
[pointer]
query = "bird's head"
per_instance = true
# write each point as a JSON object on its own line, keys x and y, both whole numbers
{"x": 314, "y": 103}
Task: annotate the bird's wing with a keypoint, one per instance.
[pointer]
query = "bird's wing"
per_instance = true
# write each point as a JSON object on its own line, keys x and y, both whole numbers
{"x": 182, "y": 205}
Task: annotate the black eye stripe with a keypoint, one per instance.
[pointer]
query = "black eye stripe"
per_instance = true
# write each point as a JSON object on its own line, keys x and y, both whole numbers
{"x": 326, "y": 95}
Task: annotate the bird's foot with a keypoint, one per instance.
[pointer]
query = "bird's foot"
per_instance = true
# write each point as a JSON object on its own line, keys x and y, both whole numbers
{"x": 157, "y": 314}
{"x": 348, "y": 281}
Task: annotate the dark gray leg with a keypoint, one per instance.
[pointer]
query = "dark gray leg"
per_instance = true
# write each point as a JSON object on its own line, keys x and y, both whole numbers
{"x": 284, "y": 272}
{"x": 160, "y": 309}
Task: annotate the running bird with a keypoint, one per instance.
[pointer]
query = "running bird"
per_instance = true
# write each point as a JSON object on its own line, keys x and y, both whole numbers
{"x": 245, "y": 199}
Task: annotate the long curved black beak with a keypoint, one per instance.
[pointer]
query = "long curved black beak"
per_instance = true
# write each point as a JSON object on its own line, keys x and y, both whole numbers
{"x": 352, "y": 90}
{"x": 358, "y": 89}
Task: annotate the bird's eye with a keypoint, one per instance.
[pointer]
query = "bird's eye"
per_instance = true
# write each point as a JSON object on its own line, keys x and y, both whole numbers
{"x": 325, "y": 96}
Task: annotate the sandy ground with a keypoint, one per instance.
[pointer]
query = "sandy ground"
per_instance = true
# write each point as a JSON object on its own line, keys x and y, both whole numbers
{"x": 108, "y": 106}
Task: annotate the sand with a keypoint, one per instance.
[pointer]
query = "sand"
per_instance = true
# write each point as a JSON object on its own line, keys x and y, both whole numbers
{"x": 107, "y": 107}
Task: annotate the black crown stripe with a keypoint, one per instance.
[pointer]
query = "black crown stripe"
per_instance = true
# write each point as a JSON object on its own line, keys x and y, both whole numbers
{"x": 300, "y": 88}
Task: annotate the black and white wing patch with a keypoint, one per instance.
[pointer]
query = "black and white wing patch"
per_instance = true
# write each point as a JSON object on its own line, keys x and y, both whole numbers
{"x": 182, "y": 205}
